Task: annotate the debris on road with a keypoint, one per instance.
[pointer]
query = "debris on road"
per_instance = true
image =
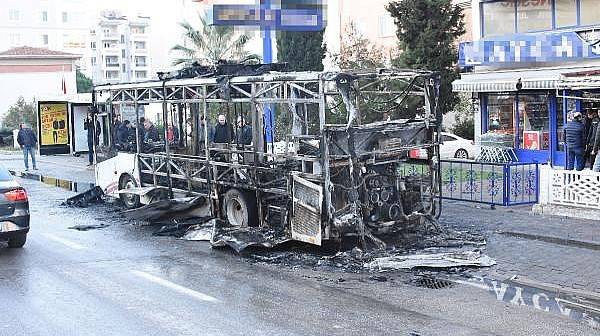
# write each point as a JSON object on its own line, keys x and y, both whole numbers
{"x": 178, "y": 208}
{"x": 89, "y": 227}
{"x": 437, "y": 260}
{"x": 83, "y": 200}
{"x": 180, "y": 228}
{"x": 241, "y": 238}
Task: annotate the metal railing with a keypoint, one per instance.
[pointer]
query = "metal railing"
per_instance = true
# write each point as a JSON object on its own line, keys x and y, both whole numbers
{"x": 506, "y": 184}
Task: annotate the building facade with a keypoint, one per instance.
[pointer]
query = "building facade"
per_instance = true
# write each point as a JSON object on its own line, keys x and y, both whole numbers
{"x": 529, "y": 64}
{"x": 120, "y": 49}
{"x": 35, "y": 72}
{"x": 59, "y": 25}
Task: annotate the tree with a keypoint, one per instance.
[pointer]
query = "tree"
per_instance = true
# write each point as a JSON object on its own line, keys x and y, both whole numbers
{"x": 303, "y": 51}
{"x": 211, "y": 44}
{"x": 357, "y": 51}
{"x": 84, "y": 83}
{"x": 21, "y": 112}
{"x": 464, "y": 123}
{"x": 427, "y": 30}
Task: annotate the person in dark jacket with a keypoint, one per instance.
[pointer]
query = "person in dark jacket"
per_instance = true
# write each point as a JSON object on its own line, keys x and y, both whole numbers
{"x": 575, "y": 137}
{"x": 93, "y": 137}
{"x": 222, "y": 132}
{"x": 123, "y": 133}
{"x": 151, "y": 133}
{"x": 591, "y": 136}
{"x": 244, "y": 132}
{"x": 28, "y": 141}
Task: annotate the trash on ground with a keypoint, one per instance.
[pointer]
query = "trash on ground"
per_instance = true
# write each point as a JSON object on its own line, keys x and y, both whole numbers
{"x": 179, "y": 208}
{"x": 438, "y": 260}
{"x": 241, "y": 238}
{"x": 89, "y": 227}
{"x": 180, "y": 228}
{"x": 84, "y": 199}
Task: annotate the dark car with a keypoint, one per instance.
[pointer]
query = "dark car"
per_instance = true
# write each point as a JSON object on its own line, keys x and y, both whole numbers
{"x": 14, "y": 210}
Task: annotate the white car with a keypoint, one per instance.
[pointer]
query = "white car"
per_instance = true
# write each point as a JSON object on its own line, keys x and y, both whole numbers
{"x": 452, "y": 146}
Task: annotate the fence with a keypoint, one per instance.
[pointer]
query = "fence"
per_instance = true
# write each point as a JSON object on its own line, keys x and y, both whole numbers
{"x": 505, "y": 184}
{"x": 571, "y": 188}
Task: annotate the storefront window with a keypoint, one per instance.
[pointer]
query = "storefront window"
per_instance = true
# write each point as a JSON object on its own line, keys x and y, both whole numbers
{"x": 501, "y": 112}
{"x": 534, "y": 122}
{"x": 534, "y": 15}
{"x": 590, "y": 13}
{"x": 566, "y": 13}
{"x": 498, "y": 18}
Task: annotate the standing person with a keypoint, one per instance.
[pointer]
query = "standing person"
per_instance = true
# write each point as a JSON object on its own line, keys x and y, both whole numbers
{"x": 141, "y": 127}
{"x": 590, "y": 156}
{"x": 150, "y": 133}
{"x": 574, "y": 131}
{"x": 28, "y": 141}
{"x": 93, "y": 137}
{"x": 123, "y": 134}
{"x": 222, "y": 131}
{"x": 244, "y": 132}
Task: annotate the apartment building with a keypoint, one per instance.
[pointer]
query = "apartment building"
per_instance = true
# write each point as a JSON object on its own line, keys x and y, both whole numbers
{"x": 120, "y": 49}
{"x": 59, "y": 25}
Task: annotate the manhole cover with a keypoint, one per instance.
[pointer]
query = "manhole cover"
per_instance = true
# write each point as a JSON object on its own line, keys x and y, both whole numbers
{"x": 433, "y": 283}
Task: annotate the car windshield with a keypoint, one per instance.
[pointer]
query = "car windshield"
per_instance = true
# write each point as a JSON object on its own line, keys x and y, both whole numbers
{"x": 5, "y": 175}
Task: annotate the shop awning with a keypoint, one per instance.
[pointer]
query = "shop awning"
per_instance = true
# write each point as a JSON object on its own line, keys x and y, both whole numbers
{"x": 502, "y": 85}
{"x": 580, "y": 80}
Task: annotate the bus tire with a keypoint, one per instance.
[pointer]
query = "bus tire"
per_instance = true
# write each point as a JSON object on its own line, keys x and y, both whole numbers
{"x": 129, "y": 200}
{"x": 239, "y": 208}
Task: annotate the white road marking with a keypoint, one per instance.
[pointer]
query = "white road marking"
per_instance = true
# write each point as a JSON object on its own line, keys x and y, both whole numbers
{"x": 180, "y": 289}
{"x": 63, "y": 241}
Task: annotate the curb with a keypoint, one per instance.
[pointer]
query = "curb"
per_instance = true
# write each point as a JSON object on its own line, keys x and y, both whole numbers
{"x": 554, "y": 240}
{"x": 54, "y": 181}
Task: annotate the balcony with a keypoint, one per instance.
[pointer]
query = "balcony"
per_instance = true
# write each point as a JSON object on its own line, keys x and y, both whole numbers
{"x": 112, "y": 65}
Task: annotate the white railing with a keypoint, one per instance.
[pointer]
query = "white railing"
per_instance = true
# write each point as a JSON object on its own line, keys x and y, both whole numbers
{"x": 570, "y": 188}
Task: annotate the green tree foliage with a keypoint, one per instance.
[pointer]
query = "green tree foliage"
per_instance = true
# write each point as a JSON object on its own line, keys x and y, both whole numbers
{"x": 211, "y": 44}
{"x": 357, "y": 51}
{"x": 84, "y": 83}
{"x": 21, "y": 112}
{"x": 464, "y": 124}
{"x": 303, "y": 51}
{"x": 427, "y": 30}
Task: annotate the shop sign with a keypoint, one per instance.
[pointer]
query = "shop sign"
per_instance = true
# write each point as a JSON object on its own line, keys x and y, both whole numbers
{"x": 531, "y": 140}
{"x": 531, "y": 48}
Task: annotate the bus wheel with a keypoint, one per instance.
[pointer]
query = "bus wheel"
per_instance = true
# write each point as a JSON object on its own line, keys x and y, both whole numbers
{"x": 131, "y": 201}
{"x": 240, "y": 208}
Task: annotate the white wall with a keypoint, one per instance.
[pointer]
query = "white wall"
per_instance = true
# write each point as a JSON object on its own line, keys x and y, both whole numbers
{"x": 32, "y": 85}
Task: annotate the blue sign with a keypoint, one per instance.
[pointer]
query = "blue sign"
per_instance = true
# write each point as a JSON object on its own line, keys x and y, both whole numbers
{"x": 531, "y": 48}
{"x": 295, "y": 19}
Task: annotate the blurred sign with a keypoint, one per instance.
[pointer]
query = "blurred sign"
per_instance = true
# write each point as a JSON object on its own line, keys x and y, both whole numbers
{"x": 54, "y": 124}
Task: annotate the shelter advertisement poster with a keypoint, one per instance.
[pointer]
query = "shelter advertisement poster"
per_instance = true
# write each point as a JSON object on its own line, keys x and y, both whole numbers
{"x": 54, "y": 125}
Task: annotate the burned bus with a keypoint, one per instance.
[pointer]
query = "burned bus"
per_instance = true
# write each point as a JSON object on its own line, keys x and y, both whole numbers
{"x": 318, "y": 155}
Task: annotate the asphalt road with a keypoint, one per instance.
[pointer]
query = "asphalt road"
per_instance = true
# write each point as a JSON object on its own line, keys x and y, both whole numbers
{"x": 122, "y": 281}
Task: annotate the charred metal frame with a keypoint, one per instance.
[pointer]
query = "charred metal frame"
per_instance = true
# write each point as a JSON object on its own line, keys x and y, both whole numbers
{"x": 268, "y": 174}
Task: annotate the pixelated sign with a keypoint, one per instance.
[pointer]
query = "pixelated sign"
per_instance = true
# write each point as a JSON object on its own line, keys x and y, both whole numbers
{"x": 54, "y": 124}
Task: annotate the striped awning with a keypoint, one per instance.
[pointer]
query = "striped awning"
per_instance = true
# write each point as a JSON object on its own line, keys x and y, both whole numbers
{"x": 579, "y": 83}
{"x": 502, "y": 85}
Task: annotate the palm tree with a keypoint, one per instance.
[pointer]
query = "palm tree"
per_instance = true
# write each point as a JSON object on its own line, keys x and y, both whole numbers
{"x": 211, "y": 44}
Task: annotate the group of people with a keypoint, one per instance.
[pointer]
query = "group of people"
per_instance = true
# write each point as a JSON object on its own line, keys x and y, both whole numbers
{"x": 223, "y": 133}
{"x": 583, "y": 141}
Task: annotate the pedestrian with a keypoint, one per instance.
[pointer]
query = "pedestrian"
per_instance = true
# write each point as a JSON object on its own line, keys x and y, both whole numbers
{"x": 575, "y": 138}
{"x": 123, "y": 134}
{"x": 141, "y": 130}
{"x": 150, "y": 132}
{"x": 28, "y": 142}
{"x": 591, "y": 137}
{"x": 222, "y": 132}
{"x": 244, "y": 132}
{"x": 93, "y": 137}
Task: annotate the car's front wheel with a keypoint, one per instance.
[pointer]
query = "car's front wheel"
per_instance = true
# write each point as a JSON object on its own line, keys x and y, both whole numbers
{"x": 17, "y": 241}
{"x": 461, "y": 154}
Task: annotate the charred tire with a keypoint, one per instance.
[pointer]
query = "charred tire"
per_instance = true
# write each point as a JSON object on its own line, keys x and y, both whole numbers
{"x": 130, "y": 201}
{"x": 239, "y": 208}
{"x": 461, "y": 154}
{"x": 17, "y": 241}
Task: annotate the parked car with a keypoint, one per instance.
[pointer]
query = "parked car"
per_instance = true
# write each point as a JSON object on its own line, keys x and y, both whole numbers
{"x": 14, "y": 211}
{"x": 452, "y": 146}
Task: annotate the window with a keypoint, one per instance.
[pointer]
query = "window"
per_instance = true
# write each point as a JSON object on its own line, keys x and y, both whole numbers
{"x": 498, "y": 18}
{"x": 65, "y": 17}
{"x": 93, "y": 31}
{"x": 123, "y": 68}
{"x": 44, "y": 16}
{"x": 93, "y": 61}
{"x": 141, "y": 45}
{"x": 107, "y": 45}
{"x": 140, "y": 74}
{"x": 566, "y": 13}
{"x": 15, "y": 39}
{"x": 137, "y": 30}
{"x": 45, "y": 39}
{"x": 590, "y": 12}
{"x": 534, "y": 122}
{"x": 447, "y": 138}
{"x": 93, "y": 45}
{"x": 112, "y": 74}
{"x": 106, "y": 32}
{"x": 122, "y": 38}
{"x": 14, "y": 15}
{"x": 534, "y": 15}
{"x": 123, "y": 53}
{"x": 140, "y": 61}
{"x": 501, "y": 115}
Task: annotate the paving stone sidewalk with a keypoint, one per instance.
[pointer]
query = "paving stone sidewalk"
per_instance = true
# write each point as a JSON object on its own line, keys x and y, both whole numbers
{"x": 66, "y": 167}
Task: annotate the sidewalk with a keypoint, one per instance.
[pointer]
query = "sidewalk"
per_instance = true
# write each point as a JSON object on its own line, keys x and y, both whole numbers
{"x": 64, "y": 167}
{"x": 550, "y": 249}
